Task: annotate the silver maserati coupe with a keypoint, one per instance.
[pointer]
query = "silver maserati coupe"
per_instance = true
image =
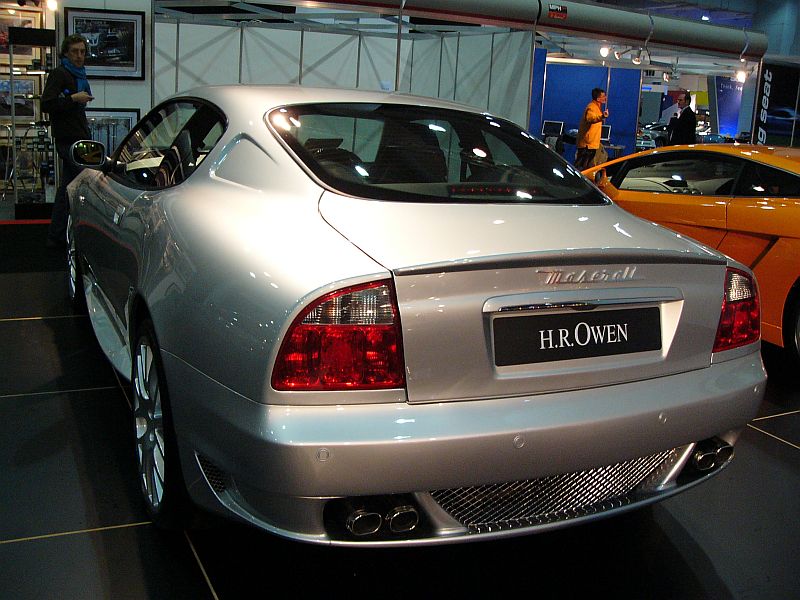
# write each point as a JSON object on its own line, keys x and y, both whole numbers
{"x": 360, "y": 318}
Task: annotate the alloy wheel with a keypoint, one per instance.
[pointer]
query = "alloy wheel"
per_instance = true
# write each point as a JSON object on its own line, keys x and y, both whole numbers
{"x": 149, "y": 424}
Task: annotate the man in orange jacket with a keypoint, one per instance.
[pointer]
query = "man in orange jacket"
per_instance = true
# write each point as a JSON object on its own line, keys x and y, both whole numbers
{"x": 590, "y": 129}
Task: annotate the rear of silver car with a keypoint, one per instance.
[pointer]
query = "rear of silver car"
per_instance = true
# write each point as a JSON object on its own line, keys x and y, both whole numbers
{"x": 530, "y": 360}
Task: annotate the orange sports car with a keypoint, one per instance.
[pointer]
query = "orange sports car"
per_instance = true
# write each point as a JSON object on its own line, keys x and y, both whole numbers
{"x": 743, "y": 200}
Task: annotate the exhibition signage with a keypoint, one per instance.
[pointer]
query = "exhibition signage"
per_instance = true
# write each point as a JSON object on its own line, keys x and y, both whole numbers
{"x": 776, "y": 112}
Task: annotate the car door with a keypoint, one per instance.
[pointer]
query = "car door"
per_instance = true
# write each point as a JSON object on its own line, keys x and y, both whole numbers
{"x": 160, "y": 153}
{"x": 687, "y": 191}
{"x": 764, "y": 233}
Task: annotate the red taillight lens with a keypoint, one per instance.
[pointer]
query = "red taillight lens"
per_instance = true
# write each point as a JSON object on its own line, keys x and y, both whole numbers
{"x": 740, "y": 321}
{"x": 347, "y": 340}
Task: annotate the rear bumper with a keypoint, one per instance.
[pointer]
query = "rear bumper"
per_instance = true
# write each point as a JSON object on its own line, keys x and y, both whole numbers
{"x": 282, "y": 462}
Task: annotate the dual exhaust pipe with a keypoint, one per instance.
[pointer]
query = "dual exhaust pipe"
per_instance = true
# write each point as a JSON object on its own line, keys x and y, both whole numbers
{"x": 402, "y": 518}
{"x": 711, "y": 454}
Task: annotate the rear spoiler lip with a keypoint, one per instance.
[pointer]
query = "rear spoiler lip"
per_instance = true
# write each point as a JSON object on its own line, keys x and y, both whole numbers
{"x": 583, "y": 257}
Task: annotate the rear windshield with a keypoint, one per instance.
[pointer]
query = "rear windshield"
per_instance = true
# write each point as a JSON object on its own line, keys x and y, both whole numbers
{"x": 419, "y": 154}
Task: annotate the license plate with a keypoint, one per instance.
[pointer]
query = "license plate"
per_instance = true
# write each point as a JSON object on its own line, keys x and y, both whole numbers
{"x": 564, "y": 336}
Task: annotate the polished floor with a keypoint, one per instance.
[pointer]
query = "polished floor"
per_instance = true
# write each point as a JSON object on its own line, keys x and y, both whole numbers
{"x": 72, "y": 524}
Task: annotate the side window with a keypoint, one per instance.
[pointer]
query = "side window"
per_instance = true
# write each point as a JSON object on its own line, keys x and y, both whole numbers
{"x": 763, "y": 181}
{"x": 169, "y": 145}
{"x": 696, "y": 173}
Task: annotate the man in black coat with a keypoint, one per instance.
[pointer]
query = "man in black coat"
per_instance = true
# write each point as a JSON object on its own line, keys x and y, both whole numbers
{"x": 64, "y": 98}
{"x": 682, "y": 128}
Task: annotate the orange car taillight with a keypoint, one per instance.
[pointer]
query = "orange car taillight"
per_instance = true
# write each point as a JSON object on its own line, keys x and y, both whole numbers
{"x": 346, "y": 340}
{"x": 740, "y": 321}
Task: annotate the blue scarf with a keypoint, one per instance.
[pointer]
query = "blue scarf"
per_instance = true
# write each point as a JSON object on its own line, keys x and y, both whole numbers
{"x": 79, "y": 74}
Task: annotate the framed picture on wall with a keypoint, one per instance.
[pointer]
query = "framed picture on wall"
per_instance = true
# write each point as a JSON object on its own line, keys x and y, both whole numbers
{"x": 116, "y": 41}
{"x": 23, "y": 55}
{"x": 25, "y": 97}
{"x": 111, "y": 125}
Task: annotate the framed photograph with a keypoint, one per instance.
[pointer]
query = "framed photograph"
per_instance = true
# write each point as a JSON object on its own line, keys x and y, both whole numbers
{"x": 116, "y": 41}
{"x": 111, "y": 125}
{"x": 25, "y": 98}
{"x": 23, "y": 55}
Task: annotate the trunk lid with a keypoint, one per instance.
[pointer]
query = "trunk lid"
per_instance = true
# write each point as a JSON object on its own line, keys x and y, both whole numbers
{"x": 499, "y": 300}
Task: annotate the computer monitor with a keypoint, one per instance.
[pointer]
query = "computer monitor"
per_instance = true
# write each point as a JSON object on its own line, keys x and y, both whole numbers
{"x": 605, "y": 133}
{"x": 552, "y": 128}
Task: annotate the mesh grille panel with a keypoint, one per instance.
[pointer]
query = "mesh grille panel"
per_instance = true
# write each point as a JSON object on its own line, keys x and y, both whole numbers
{"x": 547, "y": 499}
{"x": 215, "y": 476}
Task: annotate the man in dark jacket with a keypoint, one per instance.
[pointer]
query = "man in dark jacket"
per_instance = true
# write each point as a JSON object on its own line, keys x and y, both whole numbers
{"x": 64, "y": 98}
{"x": 682, "y": 128}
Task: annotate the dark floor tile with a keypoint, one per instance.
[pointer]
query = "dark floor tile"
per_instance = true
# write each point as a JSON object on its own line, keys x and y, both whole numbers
{"x": 34, "y": 295}
{"x": 22, "y": 250}
{"x": 742, "y": 526}
{"x": 51, "y": 355}
{"x": 628, "y": 556}
{"x": 783, "y": 391}
{"x": 136, "y": 563}
{"x": 786, "y": 427}
{"x": 66, "y": 463}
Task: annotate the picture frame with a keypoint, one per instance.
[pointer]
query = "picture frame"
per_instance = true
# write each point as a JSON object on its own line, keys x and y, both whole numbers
{"x": 111, "y": 125}
{"x": 116, "y": 41}
{"x": 23, "y": 55}
{"x": 26, "y": 98}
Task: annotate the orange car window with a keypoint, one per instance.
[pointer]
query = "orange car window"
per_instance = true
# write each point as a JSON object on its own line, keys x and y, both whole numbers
{"x": 692, "y": 173}
{"x": 763, "y": 181}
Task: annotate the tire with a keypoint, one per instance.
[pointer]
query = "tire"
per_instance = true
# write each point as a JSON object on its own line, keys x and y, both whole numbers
{"x": 75, "y": 290}
{"x": 160, "y": 478}
{"x": 792, "y": 334}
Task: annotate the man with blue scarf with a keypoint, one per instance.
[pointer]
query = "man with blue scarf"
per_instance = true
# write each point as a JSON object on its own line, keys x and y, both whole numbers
{"x": 64, "y": 98}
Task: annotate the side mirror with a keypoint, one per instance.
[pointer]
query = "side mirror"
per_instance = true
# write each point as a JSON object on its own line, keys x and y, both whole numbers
{"x": 88, "y": 153}
{"x": 599, "y": 176}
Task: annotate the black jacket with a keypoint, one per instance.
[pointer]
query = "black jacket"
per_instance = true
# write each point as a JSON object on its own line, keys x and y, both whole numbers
{"x": 67, "y": 118}
{"x": 682, "y": 129}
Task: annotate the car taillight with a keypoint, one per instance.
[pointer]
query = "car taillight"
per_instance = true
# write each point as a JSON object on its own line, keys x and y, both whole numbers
{"x": 346, "y": 340}
{"x": 740, "y": 321}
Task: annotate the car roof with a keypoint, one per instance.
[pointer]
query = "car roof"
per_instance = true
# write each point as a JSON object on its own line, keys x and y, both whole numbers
{"x": 266, "y": 97}
{"x": 777, "y": 156}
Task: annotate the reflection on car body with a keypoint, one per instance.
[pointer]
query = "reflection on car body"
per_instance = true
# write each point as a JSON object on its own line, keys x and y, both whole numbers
{"x": 365, "y": 318}
{"x": 743, "y": 200}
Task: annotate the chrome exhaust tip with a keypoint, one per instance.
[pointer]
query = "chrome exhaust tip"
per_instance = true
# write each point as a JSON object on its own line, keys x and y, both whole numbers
{"x": 402, "y": 519}
{"x": 711, "y": 454}
{"x": 361, "y": 522}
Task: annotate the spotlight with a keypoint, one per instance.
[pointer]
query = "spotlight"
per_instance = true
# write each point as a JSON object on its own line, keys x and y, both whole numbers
{"x": 705, "y": 18}
{"x": 637, "y": 58}
{"x": 52, "y": 5}
{"x": 618, "y": 54}
{"x": 604, "y": 51}
{"x": 741, "y": 76}
{"x": 665, "y": 77}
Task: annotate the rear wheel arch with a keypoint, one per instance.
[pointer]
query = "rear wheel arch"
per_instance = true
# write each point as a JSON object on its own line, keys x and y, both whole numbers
{"x": 791, "y": 322}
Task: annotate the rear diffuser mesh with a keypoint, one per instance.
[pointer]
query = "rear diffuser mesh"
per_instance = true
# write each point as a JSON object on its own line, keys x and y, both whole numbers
{"x": 547, "y": 499}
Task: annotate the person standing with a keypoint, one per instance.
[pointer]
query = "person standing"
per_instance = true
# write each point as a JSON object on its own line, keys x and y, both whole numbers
{"x": 590, "y": 129}
{"x": 65, "y": 96}
{"x": 682, "y": 128}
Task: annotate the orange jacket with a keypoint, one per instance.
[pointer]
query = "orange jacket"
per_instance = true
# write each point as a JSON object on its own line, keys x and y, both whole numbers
{"x": 590, "y": 127}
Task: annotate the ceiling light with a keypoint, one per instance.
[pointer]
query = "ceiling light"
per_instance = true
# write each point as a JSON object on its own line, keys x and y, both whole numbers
{"x": 741, "y": 76}
{"x": 705, "y": 18}
{"x": 604, "y": 51}
{"x": 52, "y": 5}
{"x": 665, "y": 77}
{"x": 637, "y": 58}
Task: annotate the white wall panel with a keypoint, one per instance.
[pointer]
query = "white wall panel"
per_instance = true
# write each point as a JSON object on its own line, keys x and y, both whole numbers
{"x": 474, "y": 63}
{"x": 208, "y": 55}
{"x": 270, "y": 56}
{"x": 377, "y": 66}
{"x": 425, "y": 68}
{"x": 166, "y": 70}
{"x": 511, "y": 76}
{"x": 447, "y": 73}
{"x": 330, "y": 60}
